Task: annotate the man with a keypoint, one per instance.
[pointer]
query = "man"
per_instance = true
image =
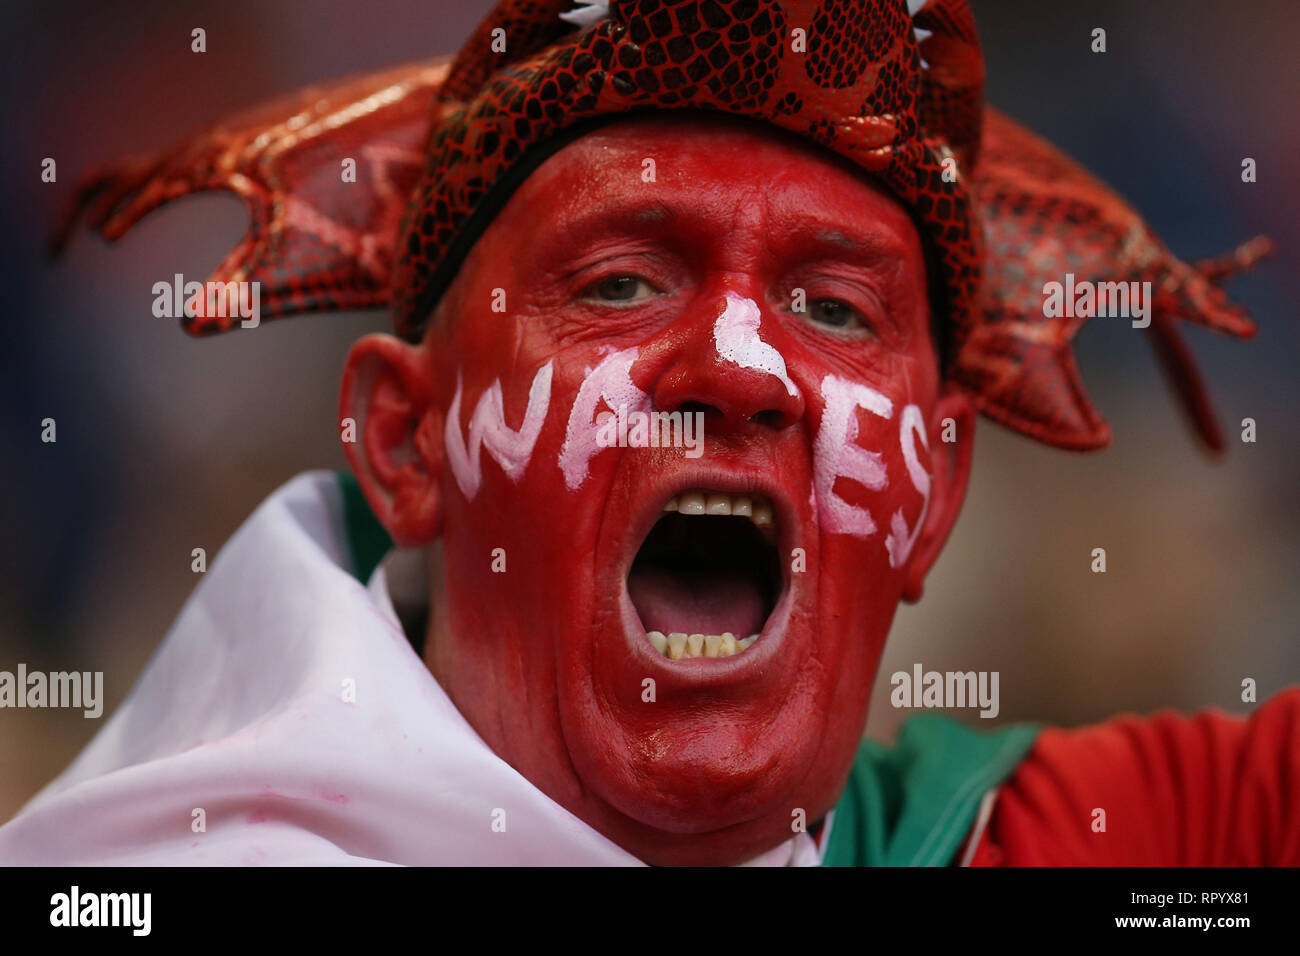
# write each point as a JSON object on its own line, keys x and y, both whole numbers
{"x": 696, "y": 303}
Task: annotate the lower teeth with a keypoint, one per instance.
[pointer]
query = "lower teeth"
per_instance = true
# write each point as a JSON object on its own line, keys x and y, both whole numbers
{"x": 677, "y": 645}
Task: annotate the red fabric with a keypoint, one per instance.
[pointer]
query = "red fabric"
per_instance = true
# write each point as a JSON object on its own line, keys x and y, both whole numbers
{"x": 1206, "y": 790}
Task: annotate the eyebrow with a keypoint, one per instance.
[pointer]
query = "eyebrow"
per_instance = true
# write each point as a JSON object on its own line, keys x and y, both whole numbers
{"x": 833, "y": 237}
{"x": 815, "y": 235}
{"x": 609, "y": 216}
{"x": 867, "y": 246}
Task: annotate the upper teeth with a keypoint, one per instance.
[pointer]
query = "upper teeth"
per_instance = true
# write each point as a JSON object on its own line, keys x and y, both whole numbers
{"x": 754, "y": 507}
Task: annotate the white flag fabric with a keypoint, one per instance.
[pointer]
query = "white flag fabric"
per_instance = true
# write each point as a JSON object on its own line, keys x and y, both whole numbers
{"x": 286, "y": 720}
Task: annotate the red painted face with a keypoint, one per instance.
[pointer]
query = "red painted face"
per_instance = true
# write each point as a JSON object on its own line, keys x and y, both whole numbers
{"x": 667, "y": 265}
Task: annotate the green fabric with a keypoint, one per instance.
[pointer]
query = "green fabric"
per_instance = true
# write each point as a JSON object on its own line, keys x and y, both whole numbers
{"x": 368, "y": 541}
{"x": 914, "y": 803}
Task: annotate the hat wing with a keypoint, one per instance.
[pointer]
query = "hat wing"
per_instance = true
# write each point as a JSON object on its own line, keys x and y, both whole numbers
{"x": 321, "y": 230}
{"x": 1044, "y": 216}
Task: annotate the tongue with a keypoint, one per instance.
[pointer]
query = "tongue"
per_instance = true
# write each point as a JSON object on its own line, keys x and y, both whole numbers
{"x": 700, "y": 602}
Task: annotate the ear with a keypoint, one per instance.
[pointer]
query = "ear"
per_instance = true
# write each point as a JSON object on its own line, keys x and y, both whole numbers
{"x": 950, "y": 462}
{"x": 396, "y": 449}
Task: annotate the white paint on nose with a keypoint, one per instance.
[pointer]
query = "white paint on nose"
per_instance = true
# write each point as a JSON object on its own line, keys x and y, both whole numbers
{"x": 735, "y": 335}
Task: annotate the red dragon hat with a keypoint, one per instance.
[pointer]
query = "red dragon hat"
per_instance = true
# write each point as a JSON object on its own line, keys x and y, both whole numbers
{"x": 440, "y": 145}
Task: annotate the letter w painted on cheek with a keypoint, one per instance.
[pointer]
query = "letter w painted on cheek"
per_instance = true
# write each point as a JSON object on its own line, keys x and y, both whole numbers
{"x": 836, "y": 455}
{"x": 488, "y": 429}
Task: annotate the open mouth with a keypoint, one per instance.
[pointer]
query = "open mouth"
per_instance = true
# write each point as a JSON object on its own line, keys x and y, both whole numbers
{"x": 708, "y": 574}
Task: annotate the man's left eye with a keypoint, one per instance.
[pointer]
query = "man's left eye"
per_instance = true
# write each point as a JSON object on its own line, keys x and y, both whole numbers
{"x": 835, "y": 314}
{"x": 624, "y": 288}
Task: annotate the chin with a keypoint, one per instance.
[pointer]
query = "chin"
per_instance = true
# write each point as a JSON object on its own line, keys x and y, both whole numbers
{"x": 698, "y": 708}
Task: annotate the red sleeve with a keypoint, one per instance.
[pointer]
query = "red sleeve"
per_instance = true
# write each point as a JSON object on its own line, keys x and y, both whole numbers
{"x": 1206, "y": 790}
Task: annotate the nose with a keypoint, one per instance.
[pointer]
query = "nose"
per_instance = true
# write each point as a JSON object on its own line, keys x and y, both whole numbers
{"x": 725, "y": 361}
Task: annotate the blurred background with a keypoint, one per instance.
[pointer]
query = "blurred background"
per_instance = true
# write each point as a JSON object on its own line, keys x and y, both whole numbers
{"x": 166, "y": 443}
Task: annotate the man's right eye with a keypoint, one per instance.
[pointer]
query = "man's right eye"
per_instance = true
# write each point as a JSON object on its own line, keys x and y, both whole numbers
{"x": 622, "y": 288}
